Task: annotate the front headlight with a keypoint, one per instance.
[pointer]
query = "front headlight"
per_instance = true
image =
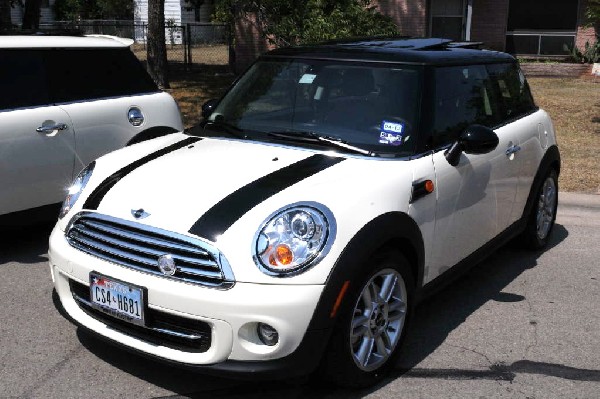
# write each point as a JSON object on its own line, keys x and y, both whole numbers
{"x": 76, "y": 188}
{"x": 293, "y": 239}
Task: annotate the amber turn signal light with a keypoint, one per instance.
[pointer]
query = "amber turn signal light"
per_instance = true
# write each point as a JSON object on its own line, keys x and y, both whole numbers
{"x": 429, "y": 186}
{"x": 282, "y": 256}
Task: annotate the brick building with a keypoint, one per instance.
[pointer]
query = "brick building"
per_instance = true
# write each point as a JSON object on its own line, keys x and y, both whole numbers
{"x": 523, "y": 27}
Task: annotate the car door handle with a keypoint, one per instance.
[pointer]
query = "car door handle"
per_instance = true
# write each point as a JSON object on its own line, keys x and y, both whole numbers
{"x": 512, "y": 149}
{"x": 51, "y": 130}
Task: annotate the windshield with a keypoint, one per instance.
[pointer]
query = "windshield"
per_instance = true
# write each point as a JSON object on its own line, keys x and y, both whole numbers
{"x": 369, "y": 106}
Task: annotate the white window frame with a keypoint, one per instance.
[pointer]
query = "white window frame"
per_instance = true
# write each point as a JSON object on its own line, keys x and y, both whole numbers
{"x": 466, "y": 7}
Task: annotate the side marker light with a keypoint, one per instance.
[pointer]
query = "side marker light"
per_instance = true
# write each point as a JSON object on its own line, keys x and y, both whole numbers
{"x": 339, "y": 298}
{"x": 421, "y": 189}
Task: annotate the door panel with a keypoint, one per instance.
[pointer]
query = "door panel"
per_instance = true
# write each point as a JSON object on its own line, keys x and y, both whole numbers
{"x": 525, "y": 125}
{"x": 474, "y": 204}
{"x": 36, "y": 167}
{"x": 475, "y": 198}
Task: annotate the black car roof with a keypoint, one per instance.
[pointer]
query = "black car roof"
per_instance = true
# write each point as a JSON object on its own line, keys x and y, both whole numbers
{"x": 430, "y": 51}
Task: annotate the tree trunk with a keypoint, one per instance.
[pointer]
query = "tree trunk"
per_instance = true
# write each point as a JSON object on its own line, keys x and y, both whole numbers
{"x": 157, "y": 49}
{"x": 5, "y": 22}
{"x": 31, "y": 15}
{"x": 197, "y": 4}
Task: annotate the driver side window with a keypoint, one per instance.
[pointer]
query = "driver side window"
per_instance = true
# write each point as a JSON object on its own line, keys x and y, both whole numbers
{"x": 463, "y": 96}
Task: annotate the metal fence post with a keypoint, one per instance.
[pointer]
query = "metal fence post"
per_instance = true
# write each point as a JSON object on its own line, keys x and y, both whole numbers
{"x": 230, "y": 49}
{"x": 184, "y": 46}
{"x": 189, "y": 44}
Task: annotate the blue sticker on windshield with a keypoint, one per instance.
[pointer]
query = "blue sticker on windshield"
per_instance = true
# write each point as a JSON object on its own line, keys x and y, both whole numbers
{"x": 391, "y": 133}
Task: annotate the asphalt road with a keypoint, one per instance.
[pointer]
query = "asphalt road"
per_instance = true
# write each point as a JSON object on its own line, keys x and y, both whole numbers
{"x": 521, "y": 324}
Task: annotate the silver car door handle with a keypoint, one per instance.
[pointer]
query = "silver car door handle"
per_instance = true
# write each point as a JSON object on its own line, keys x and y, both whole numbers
{"x": 512, "y": 149}
{"x": 52, "y": 128}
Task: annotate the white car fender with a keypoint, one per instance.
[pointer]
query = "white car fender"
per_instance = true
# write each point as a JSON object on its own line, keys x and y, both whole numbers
{"x": 388, "y": 192}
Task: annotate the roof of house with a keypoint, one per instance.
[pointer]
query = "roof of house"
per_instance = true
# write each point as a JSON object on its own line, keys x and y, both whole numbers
{"x": 403, "y": 50}
{"x": 62, "y": 41}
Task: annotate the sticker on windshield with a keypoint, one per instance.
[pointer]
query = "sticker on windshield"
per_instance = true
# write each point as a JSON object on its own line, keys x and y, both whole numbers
{"x": 307, "y": 78}
{"x": 391, "y": 133}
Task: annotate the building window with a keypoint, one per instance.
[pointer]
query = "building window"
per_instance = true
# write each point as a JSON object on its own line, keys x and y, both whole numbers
{"x": 541, "y": 27}
{"x": 448, "y": 19}
{"x": 542, "y": 15}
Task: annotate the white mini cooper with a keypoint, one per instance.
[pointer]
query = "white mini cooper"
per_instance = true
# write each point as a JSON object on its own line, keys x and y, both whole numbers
{"x": 294, "y": 230}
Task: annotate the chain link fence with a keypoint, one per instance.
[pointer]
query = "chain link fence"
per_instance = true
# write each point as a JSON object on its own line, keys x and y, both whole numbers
{"x": 188, "y": 45}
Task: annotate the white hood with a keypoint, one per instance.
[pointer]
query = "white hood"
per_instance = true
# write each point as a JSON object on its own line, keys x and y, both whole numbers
{"x": 194, "y": 178}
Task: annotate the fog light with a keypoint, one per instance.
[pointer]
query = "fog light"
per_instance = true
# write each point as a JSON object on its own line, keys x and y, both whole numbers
{"x": 267, "y": 334}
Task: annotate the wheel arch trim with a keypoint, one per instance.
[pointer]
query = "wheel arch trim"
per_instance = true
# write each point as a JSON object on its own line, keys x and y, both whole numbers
{"x": 393, "y": 230}
{"x": 551, "y": 159}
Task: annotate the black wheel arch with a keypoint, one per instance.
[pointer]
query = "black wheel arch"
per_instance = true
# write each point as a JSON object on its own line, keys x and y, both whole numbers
{"x": 151, "y": 133}
{"x": 550, "y": 160}
{"x": 389, "y": 231}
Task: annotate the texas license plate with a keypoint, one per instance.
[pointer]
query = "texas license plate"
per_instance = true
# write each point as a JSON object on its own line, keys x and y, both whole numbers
{"x": 117, "y": 298}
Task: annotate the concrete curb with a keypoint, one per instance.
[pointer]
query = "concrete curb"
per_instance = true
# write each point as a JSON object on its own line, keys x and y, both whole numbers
{"x": 578, "y": 209}
{"x": 578, "y": 200}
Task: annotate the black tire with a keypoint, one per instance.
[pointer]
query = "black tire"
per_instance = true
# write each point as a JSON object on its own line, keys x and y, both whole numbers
{"x": 540, "y": 220}
{"x": 384, "y": 323}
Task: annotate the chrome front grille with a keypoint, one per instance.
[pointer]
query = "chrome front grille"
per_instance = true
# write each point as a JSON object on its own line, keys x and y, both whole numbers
{"x": 138, "y": 246}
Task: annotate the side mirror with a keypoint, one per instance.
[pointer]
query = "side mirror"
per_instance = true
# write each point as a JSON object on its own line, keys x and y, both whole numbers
{"x": 476, "y": 139}
{"x": 208, "y": 107}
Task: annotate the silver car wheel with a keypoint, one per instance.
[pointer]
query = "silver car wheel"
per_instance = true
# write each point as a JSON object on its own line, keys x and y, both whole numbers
{"x": 546, "y": 208}
{"x": 378, "y": 319}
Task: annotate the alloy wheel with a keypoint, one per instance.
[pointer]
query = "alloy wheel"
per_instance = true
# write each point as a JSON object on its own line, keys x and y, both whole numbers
{"x": 378, "y": 319}
{"x": 546, "y": 208}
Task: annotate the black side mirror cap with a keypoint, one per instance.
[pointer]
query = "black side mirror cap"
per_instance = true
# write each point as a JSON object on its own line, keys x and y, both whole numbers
{"x": 476, "y": 139}
{"x": 208, "y": 107}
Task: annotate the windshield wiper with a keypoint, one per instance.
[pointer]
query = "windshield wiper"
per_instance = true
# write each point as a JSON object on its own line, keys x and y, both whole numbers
{"x": 227, "y": 128}
{"x": 313, "y": 137}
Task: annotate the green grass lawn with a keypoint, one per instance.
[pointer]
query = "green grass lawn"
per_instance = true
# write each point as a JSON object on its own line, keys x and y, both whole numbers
{"x": 573, "y": 104}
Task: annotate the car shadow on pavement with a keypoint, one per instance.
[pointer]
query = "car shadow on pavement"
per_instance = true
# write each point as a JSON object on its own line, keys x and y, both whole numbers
{"x": 188, "y": 383}
{"x": 434, "y": 320}
{"x": 439, "y": 315}
{"x": 26, "y": 244}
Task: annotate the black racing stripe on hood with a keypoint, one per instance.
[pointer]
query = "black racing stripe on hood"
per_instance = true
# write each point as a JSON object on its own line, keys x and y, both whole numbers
{"x": 93, "y": 201}
{"x": 227, "y": 211}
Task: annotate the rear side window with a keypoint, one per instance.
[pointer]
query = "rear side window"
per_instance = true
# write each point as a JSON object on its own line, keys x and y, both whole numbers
{"x": 87, "y": 74}
{"x": 463, "y": 96}
{"x": 22, "y": 79}
{"x": 514, "y": 95}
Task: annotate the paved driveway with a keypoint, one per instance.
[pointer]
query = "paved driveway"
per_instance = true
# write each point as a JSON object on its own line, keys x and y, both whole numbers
{"x": 521, "y": 324}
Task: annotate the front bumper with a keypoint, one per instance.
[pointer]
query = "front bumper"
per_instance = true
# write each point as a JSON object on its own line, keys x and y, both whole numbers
{"x": 231, "y": 315}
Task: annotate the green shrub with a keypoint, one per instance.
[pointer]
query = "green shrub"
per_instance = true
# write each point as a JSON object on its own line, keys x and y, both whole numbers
{"x": 291, "y": 22}
{"x": 589, "y": 55}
